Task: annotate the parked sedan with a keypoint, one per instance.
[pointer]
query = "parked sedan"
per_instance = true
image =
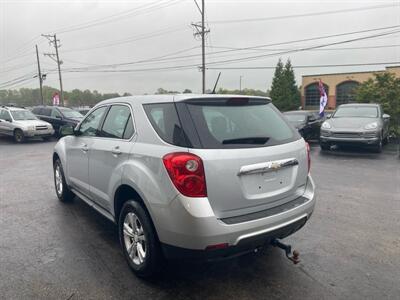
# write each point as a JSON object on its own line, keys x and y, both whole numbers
{"x": 308, "y": 123}
{"x": 356, "y": 124}
{"x": 58, "y": 116}
{"x": 21, "y": 124}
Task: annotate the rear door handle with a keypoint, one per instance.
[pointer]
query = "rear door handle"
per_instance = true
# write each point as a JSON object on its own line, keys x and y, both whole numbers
{"x": 116, "y": 151}
{"x": 85, "y": 148}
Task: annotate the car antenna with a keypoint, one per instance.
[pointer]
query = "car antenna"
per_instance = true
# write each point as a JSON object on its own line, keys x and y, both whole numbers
{"x": 215, "y": 86}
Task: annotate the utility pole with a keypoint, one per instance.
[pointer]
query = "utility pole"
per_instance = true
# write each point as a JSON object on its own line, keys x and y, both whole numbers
{"x": 53, "y": 40}
{"x": 203, "y": 47}
{"x": 201, "y": 31}
{"x": 40, "y": 76}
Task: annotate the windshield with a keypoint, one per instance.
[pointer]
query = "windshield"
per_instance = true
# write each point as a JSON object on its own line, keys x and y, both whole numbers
{"x": 295, "y": 118}
{"x": 70, "y": 113}
{"x": 356, "y": 112}
{"x": 19, "y": 115}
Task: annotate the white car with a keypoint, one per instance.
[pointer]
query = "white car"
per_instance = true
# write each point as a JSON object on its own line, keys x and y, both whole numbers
{"x": 21, "y": 124}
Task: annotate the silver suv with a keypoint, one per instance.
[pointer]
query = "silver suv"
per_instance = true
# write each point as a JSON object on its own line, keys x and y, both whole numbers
{"x": 188, "y": 176}
{"x": 21, "y": 124}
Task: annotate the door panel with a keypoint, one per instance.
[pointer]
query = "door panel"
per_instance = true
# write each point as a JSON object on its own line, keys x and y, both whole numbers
{"x": 105, "y": 167}
{"x": 78, "y": 163}
{"x": 80, "y": 148}
{"x": 108, "y": 152}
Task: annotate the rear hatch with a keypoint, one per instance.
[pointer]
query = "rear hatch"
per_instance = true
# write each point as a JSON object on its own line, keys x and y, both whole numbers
{"x": 253, "y": 159}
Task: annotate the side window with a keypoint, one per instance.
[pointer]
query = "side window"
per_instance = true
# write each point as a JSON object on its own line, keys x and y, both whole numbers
{"x": 116, "y": 122}
{"x": 46, "y": 111}
{"x": 36, "y": 110}
{"x": 90, "y": 126}
{"x": 5, "y": 115}
{"x": 55, "y": 113}
{"x": 129, "y": 130}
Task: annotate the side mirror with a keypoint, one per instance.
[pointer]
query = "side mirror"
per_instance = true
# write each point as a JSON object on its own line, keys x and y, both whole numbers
{"x": 386, "y": 116}
{"x": 9, "y": 120}
{"x": 58, "y": 117}
{"x": 67, "y": 130}
{"x": 328, "y": 116}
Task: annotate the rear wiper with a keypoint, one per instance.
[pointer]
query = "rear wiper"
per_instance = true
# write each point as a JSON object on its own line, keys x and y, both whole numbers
{"x": 247, "y": 140}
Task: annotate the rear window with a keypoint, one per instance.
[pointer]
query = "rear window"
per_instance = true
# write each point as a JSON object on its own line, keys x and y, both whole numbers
{"x": 239, "y": 123}
{"x": 222, "y": 123}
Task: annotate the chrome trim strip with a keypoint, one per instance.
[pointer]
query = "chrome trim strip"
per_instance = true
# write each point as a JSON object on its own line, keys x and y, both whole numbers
{"x": 269, "y": 166}
{"x": 251, "y": 234}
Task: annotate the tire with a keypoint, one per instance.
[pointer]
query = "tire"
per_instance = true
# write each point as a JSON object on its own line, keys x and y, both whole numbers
{"x": 385, "y": 140}
{"x": 325, "y": 146}
{"x": 19, "y": 136}
{"x": 378, "y": 147}
{"x": 63, "y": 192}
{"x": 136, "y": 232}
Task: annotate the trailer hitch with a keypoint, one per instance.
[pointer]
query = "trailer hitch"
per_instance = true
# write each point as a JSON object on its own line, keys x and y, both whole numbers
{"x": 294, "y": 257}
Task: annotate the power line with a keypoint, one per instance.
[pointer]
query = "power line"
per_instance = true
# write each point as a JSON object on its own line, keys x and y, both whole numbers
{"x": 230, "y": 60}
{"x": 329, "y": 49}
{"x": 128, "y": 40}
{"x": 304, "y": 49}
{"x": 303, "y": 15}
{"x": 150, "y": 7}
{"x": 306, "y": 66}
{"x": 314, "y": 38}
{"x": 160, "y": 59}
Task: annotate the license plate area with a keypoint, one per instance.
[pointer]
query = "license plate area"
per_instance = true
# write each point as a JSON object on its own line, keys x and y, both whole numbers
{"x": 268, "y": 184}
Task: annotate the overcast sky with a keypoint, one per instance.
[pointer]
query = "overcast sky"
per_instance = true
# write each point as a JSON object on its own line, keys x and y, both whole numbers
{"x": 131, "y": 31}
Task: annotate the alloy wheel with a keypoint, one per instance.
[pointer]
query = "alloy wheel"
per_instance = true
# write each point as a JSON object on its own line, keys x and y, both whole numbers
{"x": 134, "y": 239}
{"x": 58, "y": 179}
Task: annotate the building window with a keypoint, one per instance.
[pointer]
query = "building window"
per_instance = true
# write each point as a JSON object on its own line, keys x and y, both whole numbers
{"x": 345, "y": 92}
{"x": 312, "y": 94}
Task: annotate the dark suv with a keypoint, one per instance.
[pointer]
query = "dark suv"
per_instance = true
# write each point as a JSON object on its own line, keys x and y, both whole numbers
{"x": 58, "y": 116}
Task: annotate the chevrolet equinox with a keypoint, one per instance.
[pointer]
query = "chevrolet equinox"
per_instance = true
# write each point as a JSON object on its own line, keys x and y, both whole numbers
{"x": 188, "y": 176}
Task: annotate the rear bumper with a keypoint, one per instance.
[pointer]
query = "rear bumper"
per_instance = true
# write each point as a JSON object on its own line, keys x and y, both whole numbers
{"x": 190, "y": 224}
{"x": 244, "y": 246}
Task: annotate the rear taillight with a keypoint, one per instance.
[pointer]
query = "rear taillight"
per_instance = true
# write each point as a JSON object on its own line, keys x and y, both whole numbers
{"x": 187, "y": 173}
{"x": 308, "y": 157}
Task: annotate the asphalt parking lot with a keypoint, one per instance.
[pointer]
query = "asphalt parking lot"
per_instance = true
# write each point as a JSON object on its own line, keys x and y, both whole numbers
{"x": 350, "y": 249}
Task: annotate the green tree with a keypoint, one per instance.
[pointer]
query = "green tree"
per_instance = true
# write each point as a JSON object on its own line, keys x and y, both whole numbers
{"x": 284, "y": 92}
{"x": 384, "y": 89}
{"x": 187, "y": 91}
{"x": 293, "y": 101}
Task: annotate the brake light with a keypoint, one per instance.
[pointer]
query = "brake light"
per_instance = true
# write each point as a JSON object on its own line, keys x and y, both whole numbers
{"x": 187, "y": 173}
{"x": 308, "y": 156}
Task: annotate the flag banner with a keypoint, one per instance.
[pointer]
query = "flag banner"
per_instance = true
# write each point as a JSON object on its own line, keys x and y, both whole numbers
{"x": 323, "y": 100}
{"x": 56, "y": 99}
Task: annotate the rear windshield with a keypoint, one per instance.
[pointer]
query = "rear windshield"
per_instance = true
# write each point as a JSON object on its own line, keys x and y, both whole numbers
{"x": 224, "y": 123}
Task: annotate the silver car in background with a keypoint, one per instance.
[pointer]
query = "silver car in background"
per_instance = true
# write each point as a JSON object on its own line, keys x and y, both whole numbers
{"x": 188, "y": 176}
{"x": 356, "y": 124}
{"x": 21, "y": 124}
